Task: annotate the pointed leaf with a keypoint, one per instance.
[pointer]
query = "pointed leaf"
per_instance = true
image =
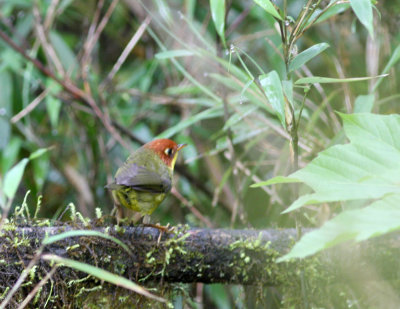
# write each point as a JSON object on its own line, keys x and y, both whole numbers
{"x": 271, "y": 83}
{"x": 275, "y": 180}
{"x": 367, "y": 168}
{"x": 306, "y": 56}
{"x": 102, "y": 275}
{"x": 269, "y": 8}
{"x": 392, "y": 61}
{"x": 78, "y": 233}
{"x": 363, "y": 11}
{"x": 218, "y": 15}
{"x": 174, "y": 53}
{"x": 322, "y": 80}
{"x": 13, "y": 178}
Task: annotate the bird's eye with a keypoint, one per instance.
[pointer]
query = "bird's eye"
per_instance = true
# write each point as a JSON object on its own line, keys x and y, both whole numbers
{"x": 168, "y": 152}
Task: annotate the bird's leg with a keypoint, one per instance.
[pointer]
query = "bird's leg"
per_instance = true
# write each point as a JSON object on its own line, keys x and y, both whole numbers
{"x": 146, "y": 219}
{"x": 117, "y": 212}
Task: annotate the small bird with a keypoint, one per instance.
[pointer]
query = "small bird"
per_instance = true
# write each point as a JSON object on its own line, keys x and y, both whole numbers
{"x": 145, "y": 178}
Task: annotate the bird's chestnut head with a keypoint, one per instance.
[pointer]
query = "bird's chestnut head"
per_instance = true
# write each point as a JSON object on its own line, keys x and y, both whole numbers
{"x": 166, "y": 149}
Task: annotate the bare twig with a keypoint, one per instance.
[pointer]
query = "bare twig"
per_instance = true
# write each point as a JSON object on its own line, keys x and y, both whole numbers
{"x": 135, "y": 38}
{"x": 22, "y": 278}
{"x": 31, "y": 106}
{"x": 37, "y": 287}
{"x": 47, "y": 47}
{"x": 193, "y": 209}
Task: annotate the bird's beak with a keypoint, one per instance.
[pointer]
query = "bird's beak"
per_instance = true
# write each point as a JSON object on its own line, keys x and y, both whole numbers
{"x": 180, "y": 146}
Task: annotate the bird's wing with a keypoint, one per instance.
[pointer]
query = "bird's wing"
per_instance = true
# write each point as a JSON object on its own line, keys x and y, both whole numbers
{"x": 142, "y": 179}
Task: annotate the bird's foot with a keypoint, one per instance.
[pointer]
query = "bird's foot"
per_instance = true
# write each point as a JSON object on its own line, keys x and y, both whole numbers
{"x": 162, "y": 229}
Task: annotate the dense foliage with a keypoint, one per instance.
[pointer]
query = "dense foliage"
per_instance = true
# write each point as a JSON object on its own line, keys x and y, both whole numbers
{"x": 256, "y": 89}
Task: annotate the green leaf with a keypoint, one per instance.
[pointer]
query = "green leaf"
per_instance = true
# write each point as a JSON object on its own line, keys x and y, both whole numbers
{"x": 275, "y": 180}
{"x": 10, "y": 154}
{"x": 102, "y": 275}
{"x": 324, "y": 80}
{"x": 363, "y": 11}
{"x": 174, "y": 53}
{"x": 41, "y": 168}
{"x": 53, "y": 104}
{"x": 269, "y": 8}
{"x": 367, "y": 168}
{"x": 6, "y": 89}
{"x": 218, "y": 15}
{"x": 13, "y": 178}
{"x": 333, "y": 10}
{"x": 306, "y": 56}
{"x": 364, "y": 103}
{"x": 78, "y": 233}
{"x": 38, "y": 153}
{"x": 287, "y": 86}
{"x": 378, "y": 218}
{"x": 64, "y": 52}
{"x": 392, "y": 61}
{"x": 271, "y": 83}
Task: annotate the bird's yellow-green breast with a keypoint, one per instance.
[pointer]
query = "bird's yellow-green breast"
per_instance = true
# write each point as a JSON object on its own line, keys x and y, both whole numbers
{"x": 143, "y": 181}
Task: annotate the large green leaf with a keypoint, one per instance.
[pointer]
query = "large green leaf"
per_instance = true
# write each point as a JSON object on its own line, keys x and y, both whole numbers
{"x": 364, "y": 103}
{"x": 380, "y": 217}
{"x": 307, "y": 55}
{"x": 366, "y": 169}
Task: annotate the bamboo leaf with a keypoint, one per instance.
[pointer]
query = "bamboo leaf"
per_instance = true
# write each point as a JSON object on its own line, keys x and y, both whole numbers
{"x": 324, "y": 80}
{"x": 218, "y": 15}
{"x": 174, "y": 54}
{"x": 269, "y": 8}
{"x": 363, "y": 11}
{"x": 306, "y": 56}
{"x": 271, "y": 83}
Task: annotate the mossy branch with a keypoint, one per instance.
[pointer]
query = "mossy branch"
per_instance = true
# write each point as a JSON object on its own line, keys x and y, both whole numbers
{"x": 186, "y": 255}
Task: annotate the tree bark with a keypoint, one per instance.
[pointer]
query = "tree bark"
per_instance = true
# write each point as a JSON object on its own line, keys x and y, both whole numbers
{"x": 187, "y": 255}
{"x": 184, "y": 255}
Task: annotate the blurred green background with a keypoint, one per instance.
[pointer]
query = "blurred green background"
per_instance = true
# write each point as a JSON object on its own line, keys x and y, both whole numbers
{"x": 160, "y": 69}
{"x": 201, "y": 99}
